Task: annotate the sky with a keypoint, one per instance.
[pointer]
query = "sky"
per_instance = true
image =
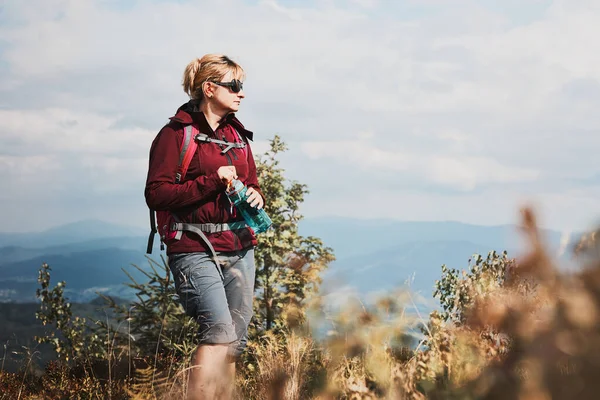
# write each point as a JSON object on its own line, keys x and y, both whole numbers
{"x": 430, "y": 110}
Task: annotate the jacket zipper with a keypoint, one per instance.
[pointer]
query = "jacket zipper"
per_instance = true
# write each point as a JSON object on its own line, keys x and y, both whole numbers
{"x": 230, "y": 162}
{"x": 234, "y": 149}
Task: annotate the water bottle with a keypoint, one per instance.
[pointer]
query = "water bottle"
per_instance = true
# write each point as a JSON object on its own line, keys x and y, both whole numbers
{"x": 256, "y": 218}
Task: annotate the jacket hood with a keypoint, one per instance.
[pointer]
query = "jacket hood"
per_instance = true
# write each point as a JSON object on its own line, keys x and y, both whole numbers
{"x": 189, "y": 113}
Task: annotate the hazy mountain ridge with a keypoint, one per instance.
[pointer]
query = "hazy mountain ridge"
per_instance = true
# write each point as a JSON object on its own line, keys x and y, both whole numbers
{"x": 86, "y": 267}
{"x": 414, "y": 265}
{"x": 18, "y": 253}
{"x": 76, "y": 232}
{"x": 382, "y": 255}
{"x": 351, "y": 237}
{"x": 100, "y": 268}
{"x": 371, "y": 254}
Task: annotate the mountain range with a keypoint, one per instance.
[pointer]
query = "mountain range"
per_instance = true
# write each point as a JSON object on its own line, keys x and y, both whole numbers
{"x": 372, "y": 255}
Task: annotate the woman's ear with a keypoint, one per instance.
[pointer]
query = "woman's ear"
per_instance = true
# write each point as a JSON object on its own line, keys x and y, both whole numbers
{"x": 207, "y": 89}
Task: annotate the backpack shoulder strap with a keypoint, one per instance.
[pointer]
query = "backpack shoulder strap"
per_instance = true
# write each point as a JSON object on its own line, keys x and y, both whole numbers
{"x": 188, "y": 149}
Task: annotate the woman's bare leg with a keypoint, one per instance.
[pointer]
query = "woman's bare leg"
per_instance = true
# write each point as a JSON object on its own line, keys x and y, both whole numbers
{"x": 209, "y": 372}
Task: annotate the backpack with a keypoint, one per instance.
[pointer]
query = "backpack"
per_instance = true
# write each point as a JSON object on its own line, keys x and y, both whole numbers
{"x": 165, "y": 223}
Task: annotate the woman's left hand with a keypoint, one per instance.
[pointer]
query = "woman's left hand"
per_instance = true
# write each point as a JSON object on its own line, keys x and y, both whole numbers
{"x": 254, "y": 198}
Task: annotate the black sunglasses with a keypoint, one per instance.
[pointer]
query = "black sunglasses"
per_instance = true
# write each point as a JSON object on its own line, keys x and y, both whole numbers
{"x": 234, "y": 85}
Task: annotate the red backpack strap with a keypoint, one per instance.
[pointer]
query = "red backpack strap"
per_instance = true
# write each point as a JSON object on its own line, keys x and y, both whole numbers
{"x": 188, "y": 149}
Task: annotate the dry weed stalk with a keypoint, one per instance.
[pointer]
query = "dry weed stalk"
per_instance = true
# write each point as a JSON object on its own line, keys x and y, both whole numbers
{"x": 281, "y": 368}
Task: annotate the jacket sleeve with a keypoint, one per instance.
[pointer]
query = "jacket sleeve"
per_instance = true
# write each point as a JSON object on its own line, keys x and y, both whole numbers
{"x": 161, "y": 192}
{"x": 252, "y": 180}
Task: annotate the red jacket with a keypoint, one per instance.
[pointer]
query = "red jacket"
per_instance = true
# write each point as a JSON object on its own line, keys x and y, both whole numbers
{"x": 200, "y": 197}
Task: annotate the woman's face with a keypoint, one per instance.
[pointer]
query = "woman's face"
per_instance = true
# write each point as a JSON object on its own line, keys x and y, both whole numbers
{"x": 224, "y": 97}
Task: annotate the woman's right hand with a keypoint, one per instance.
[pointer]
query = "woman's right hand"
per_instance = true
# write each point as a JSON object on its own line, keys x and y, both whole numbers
{"x": 227, "y": 173}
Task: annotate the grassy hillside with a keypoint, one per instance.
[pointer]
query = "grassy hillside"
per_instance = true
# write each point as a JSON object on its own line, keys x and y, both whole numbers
{"x": 85, "y": 272}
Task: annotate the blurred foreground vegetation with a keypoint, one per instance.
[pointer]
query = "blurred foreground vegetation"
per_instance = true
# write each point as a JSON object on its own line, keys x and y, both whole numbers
{"x": 507, "y": 329}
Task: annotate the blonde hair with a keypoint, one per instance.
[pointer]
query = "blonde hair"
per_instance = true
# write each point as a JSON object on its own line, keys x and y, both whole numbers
{"x": 208, "y": 68}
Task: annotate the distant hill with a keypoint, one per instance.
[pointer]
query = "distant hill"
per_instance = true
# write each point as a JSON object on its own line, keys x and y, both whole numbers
{"x": 382, "y": 255}
{"x": 87, "y": 255}
{"x": 70, "y": 233}
{"x": 416, "y": 265}
{"x": 352, "y": 237}
{"x": 84, "y": 272}
{"x": 10, "y": 254}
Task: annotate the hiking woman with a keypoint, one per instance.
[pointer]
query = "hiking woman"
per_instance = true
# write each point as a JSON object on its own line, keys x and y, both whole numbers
{"x": 216, "y": 291}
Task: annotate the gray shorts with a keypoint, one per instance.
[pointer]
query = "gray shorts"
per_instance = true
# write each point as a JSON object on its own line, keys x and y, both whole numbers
{"x": 223, "y": 309}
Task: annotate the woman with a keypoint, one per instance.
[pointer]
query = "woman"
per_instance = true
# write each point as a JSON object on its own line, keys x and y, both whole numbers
{"x": 219, "y": 295}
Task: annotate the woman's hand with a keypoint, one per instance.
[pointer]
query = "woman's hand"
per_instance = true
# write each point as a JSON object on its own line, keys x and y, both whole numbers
{"x": 254, "y": 198}
{"x": 227, "y": 173}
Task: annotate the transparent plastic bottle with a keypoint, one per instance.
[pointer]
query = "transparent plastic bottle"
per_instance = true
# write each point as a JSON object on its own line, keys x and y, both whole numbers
{"x": 256, "y": 218}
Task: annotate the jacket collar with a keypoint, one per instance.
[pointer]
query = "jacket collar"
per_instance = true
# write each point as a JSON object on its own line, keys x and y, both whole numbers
{"x": 189, "y": 113}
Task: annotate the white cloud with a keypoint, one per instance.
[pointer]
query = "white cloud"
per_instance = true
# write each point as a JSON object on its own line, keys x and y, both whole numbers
{"x": 467, "y": 173}
{"x": 26, "y": 166}
{"x": 458, "y": 97}
{"x": 366, "y": 3}
{"x": 456, "y": 172}
{"x": 51, "y": 131}
{"x": 569, "y": 210}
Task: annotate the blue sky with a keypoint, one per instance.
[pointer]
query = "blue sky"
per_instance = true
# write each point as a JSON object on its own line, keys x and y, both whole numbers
{"x": 413, "y": 110}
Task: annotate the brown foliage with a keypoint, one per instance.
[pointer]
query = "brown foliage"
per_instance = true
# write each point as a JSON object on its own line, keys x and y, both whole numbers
{"x": 555, "y": 332}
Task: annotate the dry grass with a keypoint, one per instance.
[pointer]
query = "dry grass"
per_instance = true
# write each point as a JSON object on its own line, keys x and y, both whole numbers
{"x": 281, "y": 368}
